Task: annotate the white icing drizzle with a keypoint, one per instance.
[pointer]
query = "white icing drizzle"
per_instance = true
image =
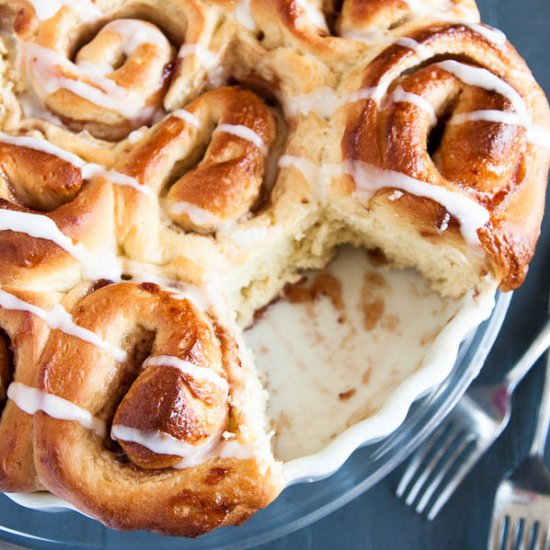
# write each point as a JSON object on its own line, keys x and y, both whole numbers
{"x": 32, "y": 400}
{"x": 372, "y": 92}
{"x": 89, "y": 170}
{"x": 489, "y": 115}
{"x": 536, "y": 135}
{"x": 471, "y": 215}
{"x": 84, "y": 9}
{"x": 95, "y": 69}
{"x": 33, "y": 107}
{"x": 376, "y": 93}
{"x": 204, "y": 55}
{"x": 135, "y": 33}
{"x": 234, "y": 449}
{"x": 197, "y": 215}
{"x": 313, "y": 14}
{"x": 210, "y": 61}
{"x": 187, "y": 116}
{"x": 399, "y": 95}
{"x": 247, "y": 236}
{"x": 162, "y": 443}
{"x": 420, "y": 7}
{"x": 412, "y": 44}
{"x": 40, "y": 144}
{"x": 395, "y": 195}
{"x": 369, "y": 179}
{"x": 200, "y": 297}
{"x": 244, "y": 16}
{"x": 323, "y": 101}
{"x": 136, "y": 136}
{"x": 58, "y": 318}
{"x": 119, "y": 178}
{"x": 493, "y": 35}
{"x": 482, "y": 78}
{"x": 186, "y": 367}
{"x": 245, "y": 133}
{"x": 47, "y": 66}
{"x": 310, "y": 170}
{"x": 94, "y": 265}
{"x": 318, "y": 176}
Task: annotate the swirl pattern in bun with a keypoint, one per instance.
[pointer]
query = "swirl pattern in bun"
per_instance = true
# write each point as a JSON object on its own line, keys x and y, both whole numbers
{"x": 166, "y": 168}
{"x": 460, "y": 115}
{"x": 182, "y": 456}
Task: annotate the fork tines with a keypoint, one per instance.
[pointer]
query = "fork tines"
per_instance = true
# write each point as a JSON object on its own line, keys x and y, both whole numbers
{"x": 521, "y": 519}
{"x": 441, "y": 463}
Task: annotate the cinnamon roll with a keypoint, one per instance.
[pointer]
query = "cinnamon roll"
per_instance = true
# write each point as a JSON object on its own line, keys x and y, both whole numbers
{"x": 338, "y": 33}
{"x": 161, "y": 427}
{"x": 88, "y": 74}
{"x": 23, "y": 335}
{"x": 445, "y": 148}
{"x": 56, "y": 217}
{"x": 232, "y": 130}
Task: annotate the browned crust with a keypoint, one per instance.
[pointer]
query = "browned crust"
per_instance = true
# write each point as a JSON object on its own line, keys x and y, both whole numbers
{"x": 75, "y": 464}
{"x": 220, "y": 493}
{"x": 286, "y": 23}
{"x": 490, "y": 162}
{"x": 26, "y": 336}
{"x": 31, "y": 262}
{"x": 227, "y": 182}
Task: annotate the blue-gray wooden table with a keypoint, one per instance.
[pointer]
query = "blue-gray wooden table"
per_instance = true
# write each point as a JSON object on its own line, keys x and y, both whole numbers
{"x": 377, "y": 520}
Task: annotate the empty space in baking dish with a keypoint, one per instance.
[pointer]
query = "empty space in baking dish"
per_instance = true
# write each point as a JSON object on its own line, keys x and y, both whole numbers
{"x": 343, "y": 368}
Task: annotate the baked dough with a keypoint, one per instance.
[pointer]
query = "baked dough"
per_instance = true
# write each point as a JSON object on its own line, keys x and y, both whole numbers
{"x": 167, "y": 167}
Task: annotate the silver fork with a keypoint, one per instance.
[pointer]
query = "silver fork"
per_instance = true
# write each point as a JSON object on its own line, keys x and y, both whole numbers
{"x": 440, "y": 465}
{"x": 521, "y": 514}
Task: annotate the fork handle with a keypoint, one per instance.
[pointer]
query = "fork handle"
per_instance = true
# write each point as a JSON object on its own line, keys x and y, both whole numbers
{"x": 543, "y": 421}
{"x": 536, "y": 349}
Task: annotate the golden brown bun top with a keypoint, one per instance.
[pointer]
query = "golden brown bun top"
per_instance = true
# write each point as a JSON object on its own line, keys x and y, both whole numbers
{"x": 127, "y": 484}
{"x": 228, "y": 179}
{"x": 488, "y": 161}
{"x": 146, "y": 321}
